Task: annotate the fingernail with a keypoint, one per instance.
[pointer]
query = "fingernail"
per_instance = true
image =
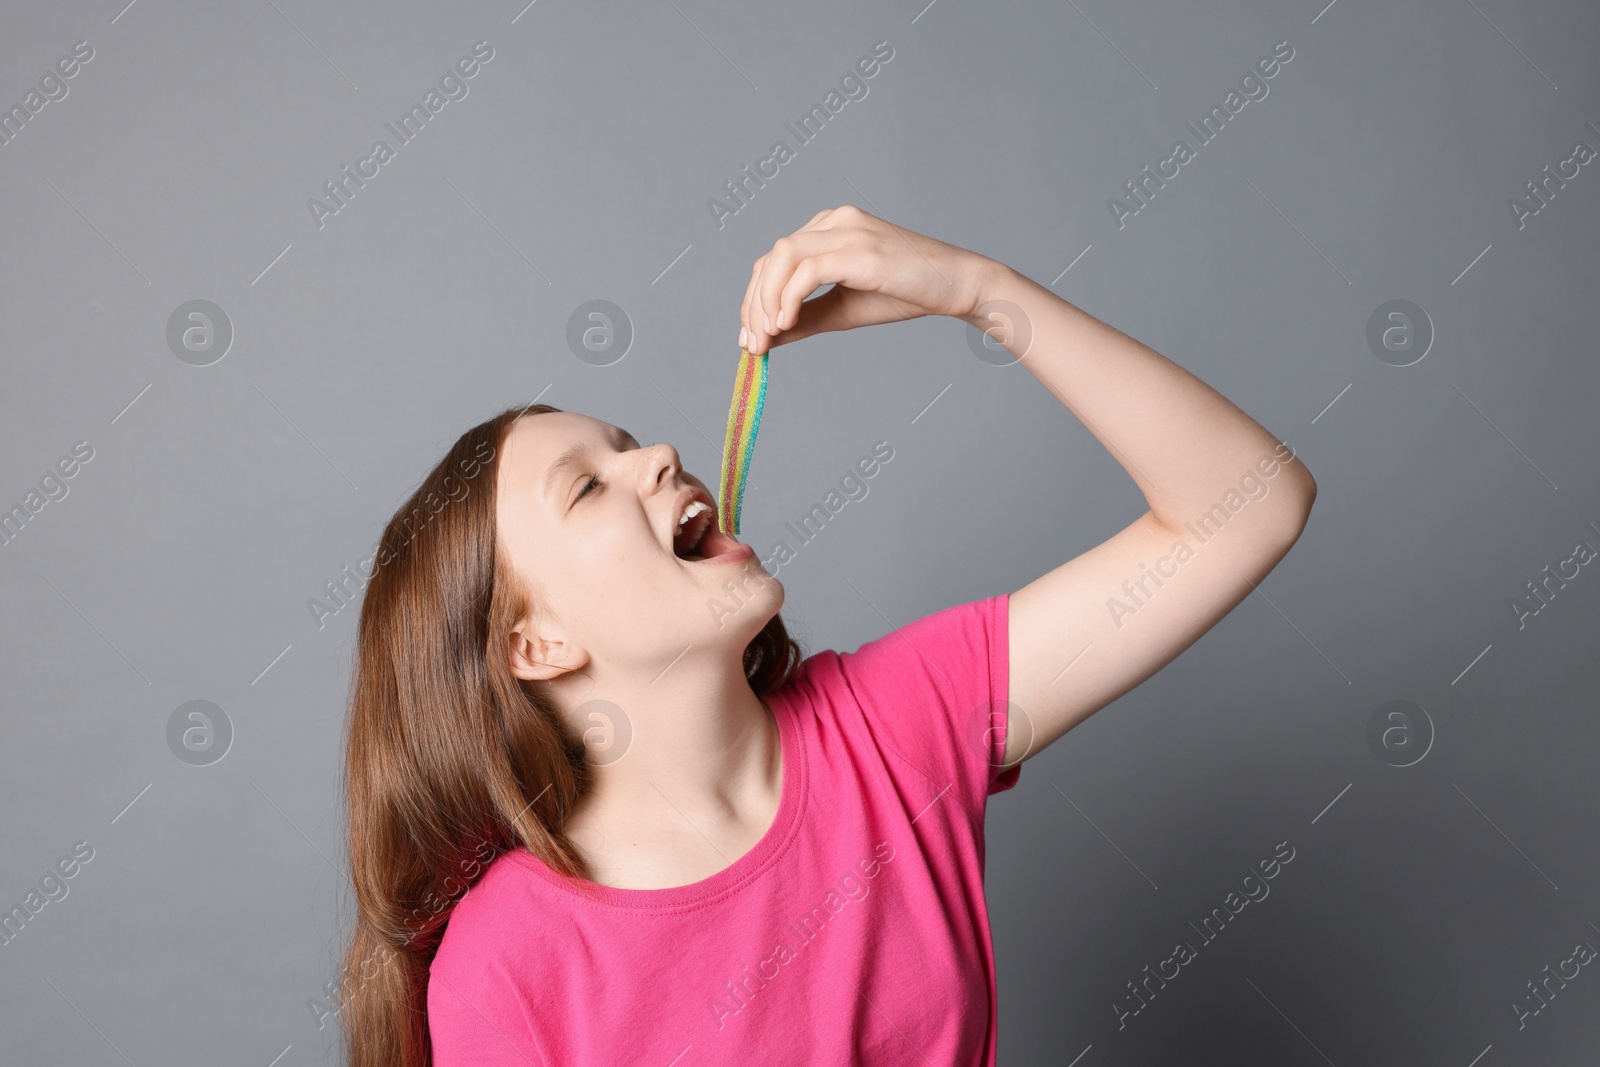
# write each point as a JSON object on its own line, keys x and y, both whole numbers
{"x": 743, "y": 336}
{"x": 768, "y": 323}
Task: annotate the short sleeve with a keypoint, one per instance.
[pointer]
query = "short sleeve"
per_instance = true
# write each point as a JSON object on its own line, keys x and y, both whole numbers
{"x": 936, "y": 691}
{"x": 473, "y": 1020}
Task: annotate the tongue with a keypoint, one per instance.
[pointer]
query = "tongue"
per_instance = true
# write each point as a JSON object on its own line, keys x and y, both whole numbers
{"x": 713, "y": 543}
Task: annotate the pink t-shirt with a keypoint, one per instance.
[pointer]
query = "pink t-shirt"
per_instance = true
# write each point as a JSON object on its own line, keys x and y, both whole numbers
{"x": 854, "y": 932}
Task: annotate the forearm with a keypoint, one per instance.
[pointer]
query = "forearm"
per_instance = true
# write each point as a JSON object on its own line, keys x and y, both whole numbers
{"x": 1184, "y": 444}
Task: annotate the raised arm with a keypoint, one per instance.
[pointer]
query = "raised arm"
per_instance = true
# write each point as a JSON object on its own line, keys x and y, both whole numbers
{"x": 1227, "y": 500}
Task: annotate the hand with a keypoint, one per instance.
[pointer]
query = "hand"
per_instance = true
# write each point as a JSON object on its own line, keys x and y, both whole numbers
{"x": 879, "y": 272}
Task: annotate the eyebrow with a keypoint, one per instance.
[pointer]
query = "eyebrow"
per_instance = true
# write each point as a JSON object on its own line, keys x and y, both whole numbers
{"x": 574, "y": 455}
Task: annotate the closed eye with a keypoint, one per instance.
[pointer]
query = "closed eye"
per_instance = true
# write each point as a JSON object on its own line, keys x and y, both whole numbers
{"x": 623, "y": 438}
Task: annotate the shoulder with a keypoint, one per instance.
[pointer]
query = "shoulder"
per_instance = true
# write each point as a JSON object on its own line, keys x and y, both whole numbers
{"x": 968, "y": 626}
{"x": 956, "y": 654}
{"x": 474, "y": 935}
{"x": 934, "y": 691}
{"x": 969, "y": 634}
{"x": 484, "y": 984}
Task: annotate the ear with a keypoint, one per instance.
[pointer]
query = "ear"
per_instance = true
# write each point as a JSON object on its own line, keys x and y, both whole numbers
{"x": 537, "y": 652}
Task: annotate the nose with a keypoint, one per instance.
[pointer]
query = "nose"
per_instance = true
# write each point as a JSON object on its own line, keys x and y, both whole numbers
{"x": 662, "y": 466}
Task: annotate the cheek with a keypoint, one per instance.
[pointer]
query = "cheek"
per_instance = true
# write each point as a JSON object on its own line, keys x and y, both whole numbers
{"x": 616, "y": 558}
{"x": 620, "y": 591}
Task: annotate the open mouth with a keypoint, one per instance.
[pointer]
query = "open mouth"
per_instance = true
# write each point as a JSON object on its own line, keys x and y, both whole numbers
{"x": 698, "y": 539}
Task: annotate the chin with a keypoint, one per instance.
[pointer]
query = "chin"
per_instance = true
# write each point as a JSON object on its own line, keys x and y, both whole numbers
{"x": 745, "y": 601}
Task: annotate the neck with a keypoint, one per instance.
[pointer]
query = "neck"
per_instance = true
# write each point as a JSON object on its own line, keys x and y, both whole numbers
{"x": 703, "y": 758}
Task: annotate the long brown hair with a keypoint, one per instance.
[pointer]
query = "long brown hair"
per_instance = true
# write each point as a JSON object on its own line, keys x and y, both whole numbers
{"x": 450, "y": 759}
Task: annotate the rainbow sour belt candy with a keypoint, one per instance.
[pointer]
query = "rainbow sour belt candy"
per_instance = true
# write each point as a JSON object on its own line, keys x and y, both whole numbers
{"x": 744, "y": 419}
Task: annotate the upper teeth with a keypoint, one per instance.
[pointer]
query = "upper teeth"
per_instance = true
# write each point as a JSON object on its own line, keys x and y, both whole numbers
{"x": 695, "y": 507}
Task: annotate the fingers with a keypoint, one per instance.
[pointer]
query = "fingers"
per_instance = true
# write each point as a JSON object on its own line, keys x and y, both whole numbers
{"x": 750, "y": 315}
{"x": 774, "y": 294}
{"x": 820, "y": 314}
{"x": 810, "y": 274}
{"x": 745, "y": 315}
{"x": 795, "y": 268}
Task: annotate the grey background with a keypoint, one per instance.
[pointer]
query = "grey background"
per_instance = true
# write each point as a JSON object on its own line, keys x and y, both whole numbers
{"x": 1421, "y": 900}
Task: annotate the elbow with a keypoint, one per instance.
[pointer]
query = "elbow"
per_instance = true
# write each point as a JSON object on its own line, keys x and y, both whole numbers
{"x": 1300, "y": 495}
{"x": 1308, "y": 490}
{"x": 1303, "y": 487}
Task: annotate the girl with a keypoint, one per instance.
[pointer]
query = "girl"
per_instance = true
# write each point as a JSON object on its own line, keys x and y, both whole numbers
{"x": 604, "y": 810}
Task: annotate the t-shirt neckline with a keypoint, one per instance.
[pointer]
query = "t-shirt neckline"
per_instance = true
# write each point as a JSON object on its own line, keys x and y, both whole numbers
{"x": 791, "y": 803}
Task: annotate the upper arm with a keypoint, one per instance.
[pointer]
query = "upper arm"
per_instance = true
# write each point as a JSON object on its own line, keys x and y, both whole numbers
{"x": 1090, "y": 630}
